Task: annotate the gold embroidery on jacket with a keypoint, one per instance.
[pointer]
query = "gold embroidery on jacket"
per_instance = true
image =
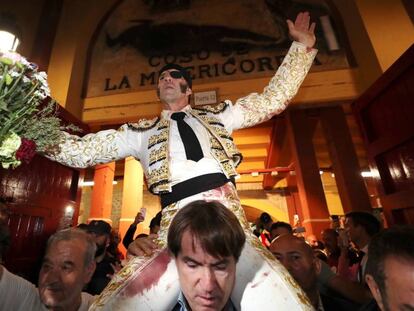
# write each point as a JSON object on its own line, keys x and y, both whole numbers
{"x": 87, "y": 151}
{"x": 158, "y": 173}
{"x": 158, "y": 154}
{"x": 158, "y": 138}
{"x": 223, "y": 148}
{"x": 143, "y": 124}
{"x": 212, "y": 109}
{"x": 282, "y": 87}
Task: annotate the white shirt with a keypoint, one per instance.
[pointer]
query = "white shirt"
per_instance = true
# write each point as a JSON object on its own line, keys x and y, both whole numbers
{"x": 181, "y": 168}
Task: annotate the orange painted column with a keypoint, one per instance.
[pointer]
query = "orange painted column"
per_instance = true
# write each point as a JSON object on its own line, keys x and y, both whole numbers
{"x": 278, "y": 152}
{"x": 312, "y": 197}
{"x": 131, "y": 198}
{"x": 351, "y": 186}
{"x": 101, "y": 205}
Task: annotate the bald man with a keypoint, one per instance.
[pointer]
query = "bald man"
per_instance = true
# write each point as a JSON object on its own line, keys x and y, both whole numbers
{"x": 298, "y": 258}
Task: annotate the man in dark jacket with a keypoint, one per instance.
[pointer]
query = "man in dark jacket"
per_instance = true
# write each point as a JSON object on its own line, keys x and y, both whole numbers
{"x": 100, "y": 231}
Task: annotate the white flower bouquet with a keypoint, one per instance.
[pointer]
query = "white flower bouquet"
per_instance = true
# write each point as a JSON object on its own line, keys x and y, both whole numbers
{"x": 28, "y": 121}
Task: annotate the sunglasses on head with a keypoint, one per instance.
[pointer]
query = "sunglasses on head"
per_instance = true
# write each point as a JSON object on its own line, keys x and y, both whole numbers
{"x": 173, "y": 74}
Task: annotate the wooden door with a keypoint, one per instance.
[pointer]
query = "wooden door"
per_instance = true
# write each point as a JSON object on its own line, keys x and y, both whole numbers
{"x": 385, "y": 113}
{"x": 41, "y": 198}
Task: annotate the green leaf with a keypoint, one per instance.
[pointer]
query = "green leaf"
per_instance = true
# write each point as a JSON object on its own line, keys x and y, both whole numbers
{"x": 6, "y": 61}
{"x": 19, "y": 65}
{"x": 9, "y": 79}
{"x": 3, "y": 105}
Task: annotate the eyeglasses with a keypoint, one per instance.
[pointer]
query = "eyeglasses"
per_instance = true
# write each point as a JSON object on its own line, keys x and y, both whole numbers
{"x": 173, "y": 74}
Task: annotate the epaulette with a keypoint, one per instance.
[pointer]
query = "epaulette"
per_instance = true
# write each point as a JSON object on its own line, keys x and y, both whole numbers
{"x": 213, "y": 109}
{"x": 143, "y": 124}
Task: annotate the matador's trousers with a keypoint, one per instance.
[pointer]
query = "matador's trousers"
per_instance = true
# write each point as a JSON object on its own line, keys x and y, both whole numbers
{"x": 151, "y": 283}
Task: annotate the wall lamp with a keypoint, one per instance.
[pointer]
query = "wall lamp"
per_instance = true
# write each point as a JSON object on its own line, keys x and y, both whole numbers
{"x": 9, "y": 33}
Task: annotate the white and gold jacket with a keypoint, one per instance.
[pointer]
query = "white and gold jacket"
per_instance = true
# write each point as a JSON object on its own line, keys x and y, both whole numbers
{"x": 148, "y": 140}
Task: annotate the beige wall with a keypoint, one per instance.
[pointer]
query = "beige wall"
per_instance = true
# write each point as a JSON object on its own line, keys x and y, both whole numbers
{"x": 379, "y": 31}
{"x": 67, "y": 65}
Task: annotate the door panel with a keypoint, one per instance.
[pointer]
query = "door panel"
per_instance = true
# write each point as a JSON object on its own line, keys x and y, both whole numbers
{"x": 385, "y": 113}
{"x": 41, "y": 198}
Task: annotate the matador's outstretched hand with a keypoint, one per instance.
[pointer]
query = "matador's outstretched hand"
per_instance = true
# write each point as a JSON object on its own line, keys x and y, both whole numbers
{"x": 300, "y": 30}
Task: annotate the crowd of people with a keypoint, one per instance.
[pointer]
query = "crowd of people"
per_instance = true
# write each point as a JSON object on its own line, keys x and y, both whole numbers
{"x": 344, "y": 249}
{"x": 340, "y": 280}
{"x": 372, "y": 269}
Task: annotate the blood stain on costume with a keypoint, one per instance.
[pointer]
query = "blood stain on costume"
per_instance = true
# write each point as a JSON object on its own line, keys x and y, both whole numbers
{"x": 149, "y": 276}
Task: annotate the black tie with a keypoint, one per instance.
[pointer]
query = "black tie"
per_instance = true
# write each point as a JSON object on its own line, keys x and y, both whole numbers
{"x": 191, "y": 144}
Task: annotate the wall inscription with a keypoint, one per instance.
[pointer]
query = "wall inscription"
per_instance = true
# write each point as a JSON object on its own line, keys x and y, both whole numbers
{"x": 216, "y": 40}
